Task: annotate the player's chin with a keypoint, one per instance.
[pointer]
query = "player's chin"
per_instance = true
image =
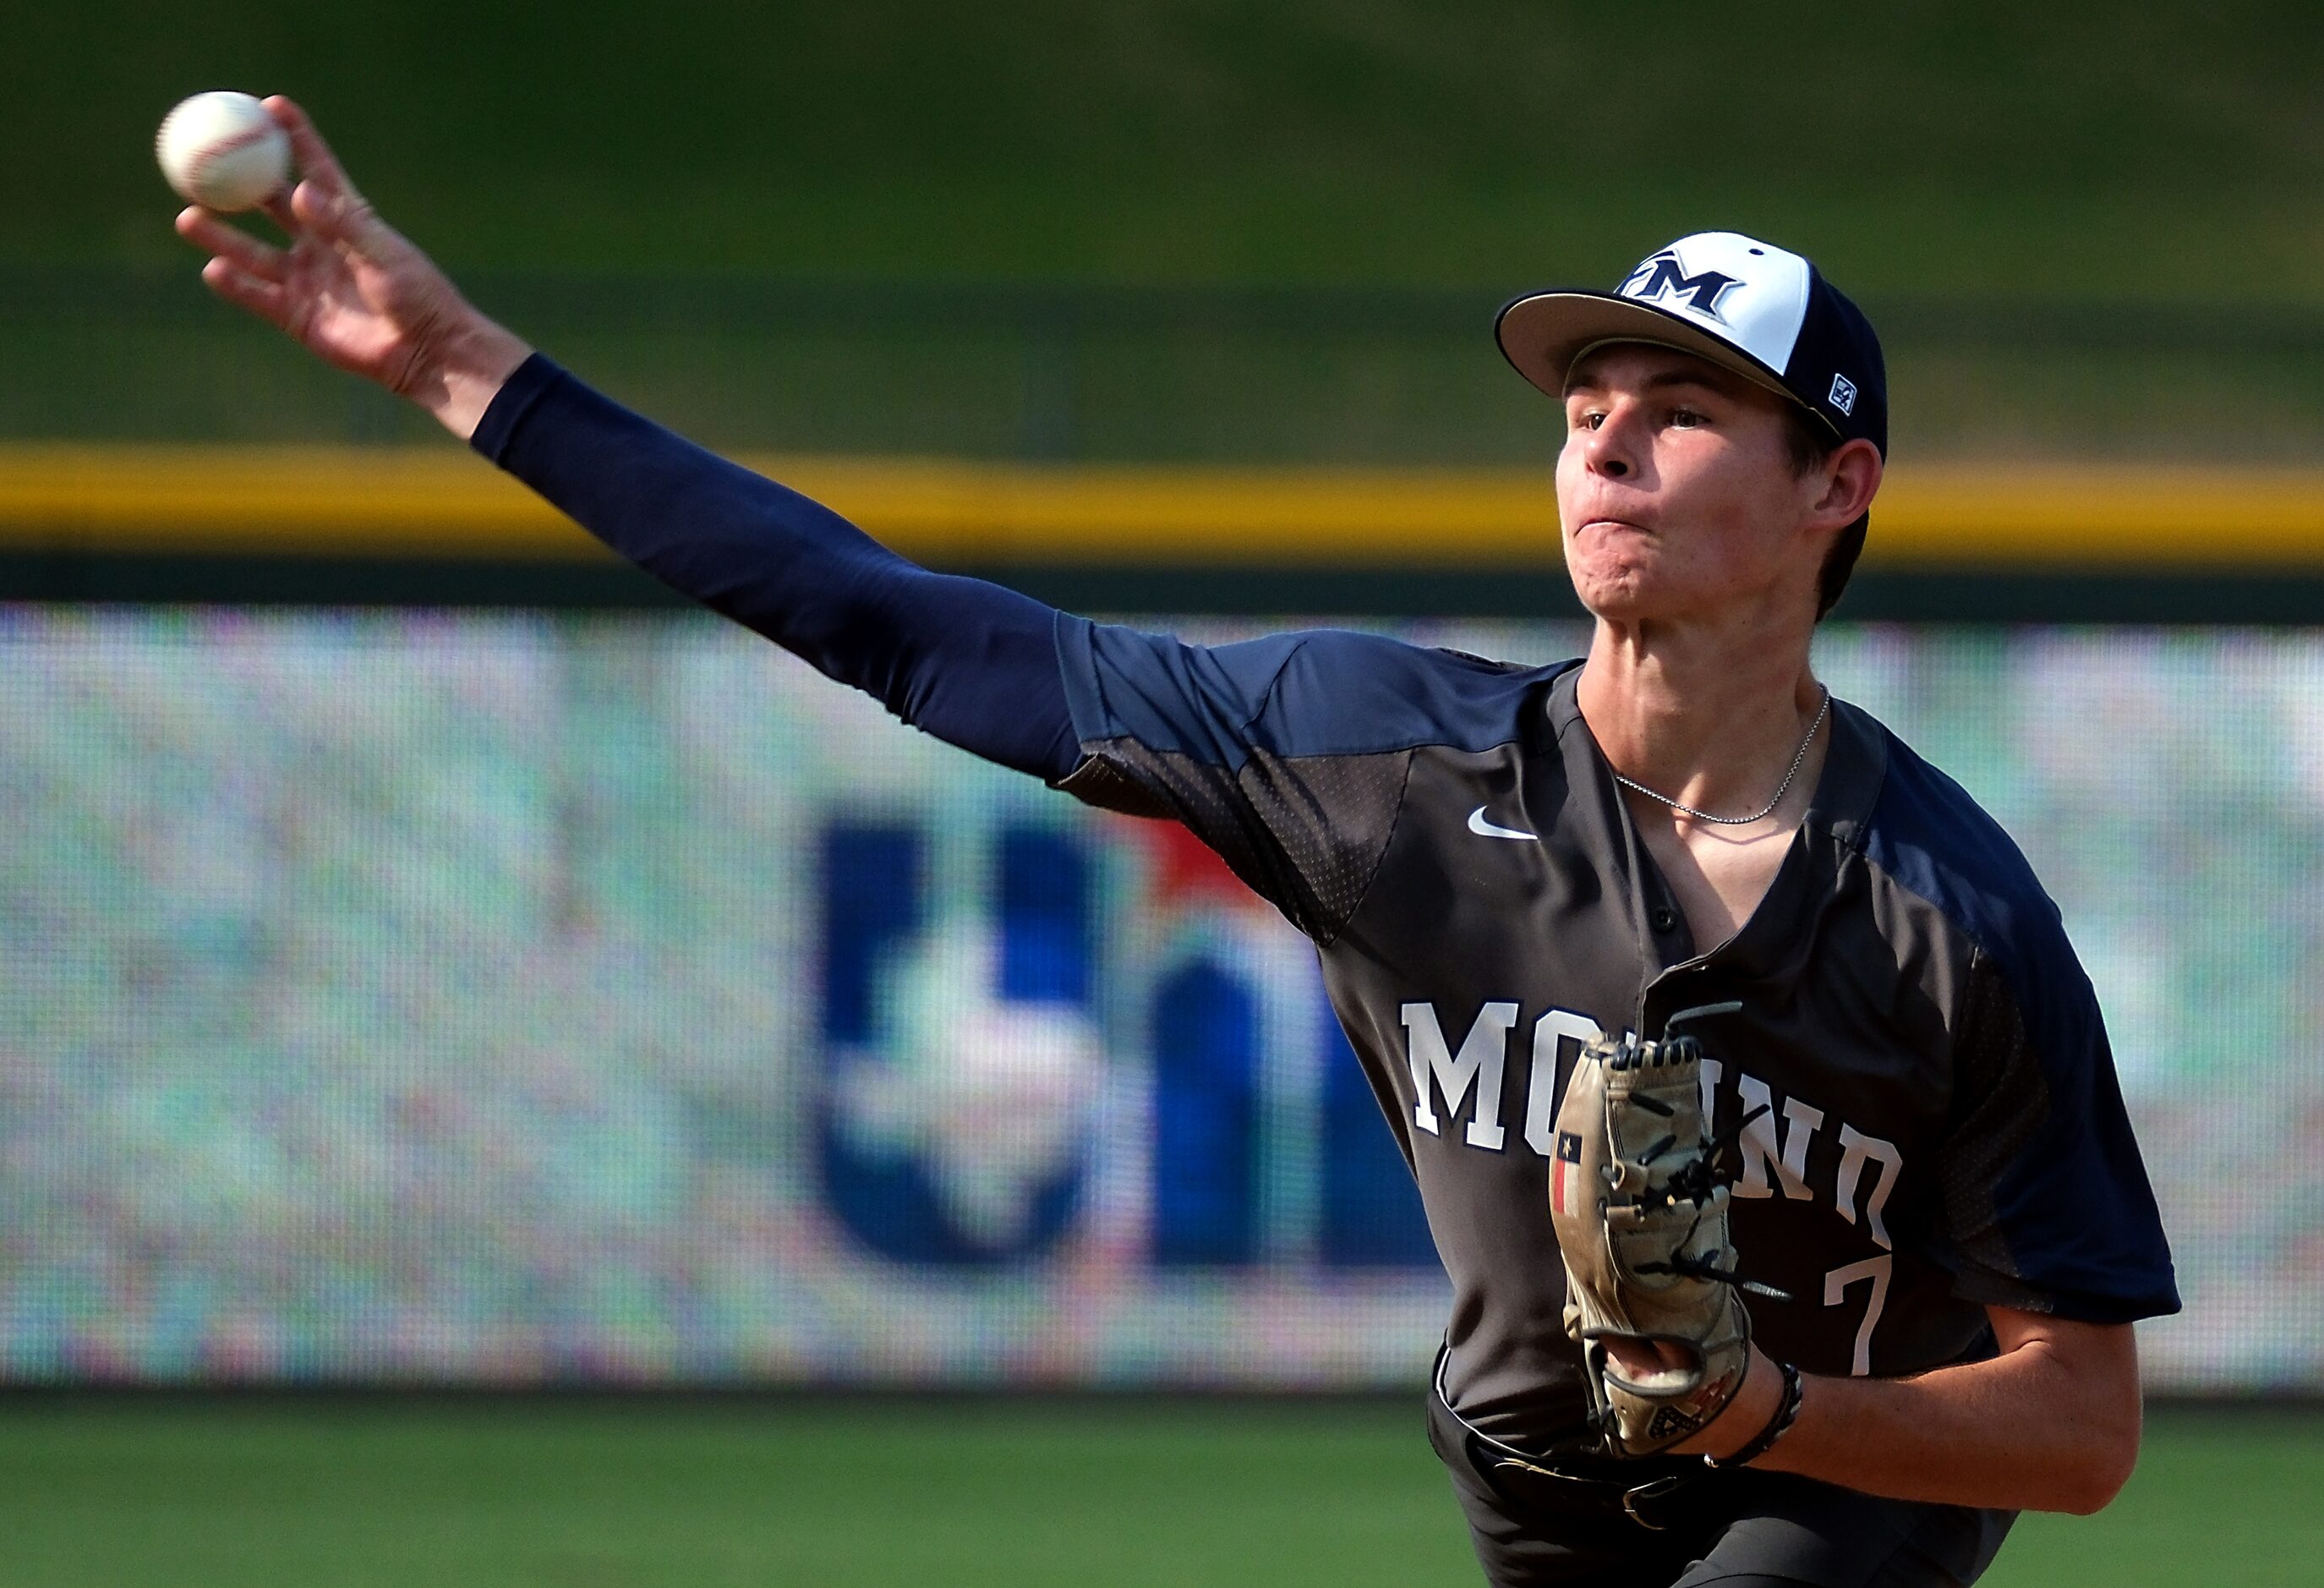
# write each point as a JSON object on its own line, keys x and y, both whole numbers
{"x": 1616, "y": 562}
{"x": 1624, "y": 592}
{"x": 1638, "y": 582}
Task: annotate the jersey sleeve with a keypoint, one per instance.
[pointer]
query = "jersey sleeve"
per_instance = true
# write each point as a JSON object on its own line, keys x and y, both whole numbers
{"x": 970, "y": 662}
{"x": 2045, "y": 1202}
{"x": 2042, "y": 1201}
{"x": 1287, "y": 755}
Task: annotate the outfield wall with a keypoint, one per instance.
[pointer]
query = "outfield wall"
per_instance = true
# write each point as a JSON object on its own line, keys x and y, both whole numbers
{"x": 507, "y": 998}
{"x": 2153, "y": 542}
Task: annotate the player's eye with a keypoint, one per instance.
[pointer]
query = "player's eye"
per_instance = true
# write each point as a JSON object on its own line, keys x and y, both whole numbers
{"x": 1589, "y": 419}
{"x": 1687, "y": 418}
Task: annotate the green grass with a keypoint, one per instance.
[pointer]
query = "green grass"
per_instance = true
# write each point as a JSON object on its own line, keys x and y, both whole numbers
{"x": 1980, "y": 151}
{"x": 2062, "y": 151}
{"x": 2224, "y": 1497}
{"x": 577, "y": 1495}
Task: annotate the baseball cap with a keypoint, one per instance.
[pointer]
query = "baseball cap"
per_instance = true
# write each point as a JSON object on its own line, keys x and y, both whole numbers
{"x": 1745, "y": 305}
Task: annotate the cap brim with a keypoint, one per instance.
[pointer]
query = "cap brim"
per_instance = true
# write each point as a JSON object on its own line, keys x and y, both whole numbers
{"x": 1542, "y": 333}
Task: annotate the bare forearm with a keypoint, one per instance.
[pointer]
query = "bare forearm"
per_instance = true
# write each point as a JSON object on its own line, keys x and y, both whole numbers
{"x": 466, "y": 370}
{"x": 2035, "y": 1428}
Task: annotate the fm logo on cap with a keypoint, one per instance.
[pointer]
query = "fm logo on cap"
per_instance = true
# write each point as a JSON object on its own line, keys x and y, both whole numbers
{"x": 1662, "y": 274}
{"x": 1843, "y": 394}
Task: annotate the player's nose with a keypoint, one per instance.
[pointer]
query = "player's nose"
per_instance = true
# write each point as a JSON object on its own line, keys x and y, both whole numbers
{"x": 1611, "y": 449}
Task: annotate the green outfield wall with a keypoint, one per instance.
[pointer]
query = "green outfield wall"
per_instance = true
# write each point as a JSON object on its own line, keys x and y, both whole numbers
{"x": 2059, "y": 153}
{"x": 1196, "y": 231}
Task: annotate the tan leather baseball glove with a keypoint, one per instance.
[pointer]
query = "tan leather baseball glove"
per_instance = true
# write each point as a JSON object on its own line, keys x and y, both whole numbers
{"x": 1640, "y": 1212}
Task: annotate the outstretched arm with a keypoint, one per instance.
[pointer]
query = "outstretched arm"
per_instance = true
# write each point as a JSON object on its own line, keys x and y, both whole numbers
{"x": 973, "y": 663}
{"x": 970, "y": 662}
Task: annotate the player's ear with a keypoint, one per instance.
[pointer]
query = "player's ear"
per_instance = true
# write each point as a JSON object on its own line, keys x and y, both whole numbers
{"x": 1848, "y": 477}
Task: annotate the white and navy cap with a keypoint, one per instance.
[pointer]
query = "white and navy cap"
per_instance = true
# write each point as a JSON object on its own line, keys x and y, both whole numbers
{"x": 1748, "y": 305}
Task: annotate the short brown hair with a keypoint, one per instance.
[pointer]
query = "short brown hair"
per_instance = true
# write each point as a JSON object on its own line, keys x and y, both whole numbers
{"x": 1810, "y": 441}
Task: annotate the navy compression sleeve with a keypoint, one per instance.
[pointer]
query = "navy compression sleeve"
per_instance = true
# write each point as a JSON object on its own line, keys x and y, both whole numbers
{"x": 970, "y": 662}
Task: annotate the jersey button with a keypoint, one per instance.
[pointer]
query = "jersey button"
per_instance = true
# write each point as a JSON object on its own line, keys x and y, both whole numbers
{"x": 1663, "y": 918}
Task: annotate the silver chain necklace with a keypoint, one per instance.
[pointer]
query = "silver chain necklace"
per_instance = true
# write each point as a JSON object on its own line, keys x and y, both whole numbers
{"x": 1763, "y": 812}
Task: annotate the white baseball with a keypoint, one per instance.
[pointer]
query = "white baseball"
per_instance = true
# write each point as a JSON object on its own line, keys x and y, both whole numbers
{"x": 222, "y": 151}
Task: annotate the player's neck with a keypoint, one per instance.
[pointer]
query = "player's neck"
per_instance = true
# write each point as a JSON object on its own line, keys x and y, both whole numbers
{"x": 1708, "y": 713}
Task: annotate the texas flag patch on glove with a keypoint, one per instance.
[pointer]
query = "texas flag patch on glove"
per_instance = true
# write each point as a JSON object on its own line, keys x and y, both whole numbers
{"x": 1564, "y": 1171}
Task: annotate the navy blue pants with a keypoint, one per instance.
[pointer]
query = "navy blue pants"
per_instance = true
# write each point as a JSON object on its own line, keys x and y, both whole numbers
{"x": 1697, "y": 1528}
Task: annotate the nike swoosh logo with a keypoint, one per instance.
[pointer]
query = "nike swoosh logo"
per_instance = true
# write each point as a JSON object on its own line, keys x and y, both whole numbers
{"x": 1485, "y": 830}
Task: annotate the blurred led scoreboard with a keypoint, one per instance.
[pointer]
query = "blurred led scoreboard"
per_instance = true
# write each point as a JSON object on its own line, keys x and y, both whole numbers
{"x": 513, "y": 999}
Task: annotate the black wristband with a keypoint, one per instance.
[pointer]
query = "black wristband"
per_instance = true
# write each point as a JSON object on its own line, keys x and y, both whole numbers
{"x": 1786, "y": 1412}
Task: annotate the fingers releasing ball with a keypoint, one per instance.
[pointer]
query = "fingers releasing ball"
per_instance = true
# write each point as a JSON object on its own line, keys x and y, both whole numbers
{"x": 222, "y": 151}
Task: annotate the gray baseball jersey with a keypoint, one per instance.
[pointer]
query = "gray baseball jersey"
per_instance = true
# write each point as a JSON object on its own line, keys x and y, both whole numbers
{"x": 1942, "y": 1125}
{"x": 1942, "y": 1128}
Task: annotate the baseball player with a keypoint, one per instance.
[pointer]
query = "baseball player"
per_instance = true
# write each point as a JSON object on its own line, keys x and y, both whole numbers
{"x": 1674, "y": 880}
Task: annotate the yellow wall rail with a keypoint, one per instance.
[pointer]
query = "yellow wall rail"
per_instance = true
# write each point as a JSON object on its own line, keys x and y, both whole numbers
{"x": 439, "y": 501}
